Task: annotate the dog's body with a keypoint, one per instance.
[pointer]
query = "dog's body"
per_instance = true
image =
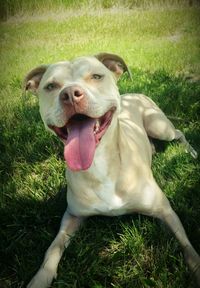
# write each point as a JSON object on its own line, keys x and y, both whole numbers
{"x": 107, "y": 149}
{"x": 113, "y": 184}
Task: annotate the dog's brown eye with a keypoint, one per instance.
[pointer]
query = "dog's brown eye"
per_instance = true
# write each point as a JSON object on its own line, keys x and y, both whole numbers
{"x": 97, "y": 76}
{"x": 51, "y": 86}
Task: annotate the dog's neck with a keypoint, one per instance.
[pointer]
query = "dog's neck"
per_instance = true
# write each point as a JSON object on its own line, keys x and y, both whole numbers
{"x": 108, "y": 145}
{"x": 110, "y": 138}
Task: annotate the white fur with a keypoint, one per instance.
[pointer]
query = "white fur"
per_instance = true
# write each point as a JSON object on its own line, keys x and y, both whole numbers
{"x": 120, "y": 179}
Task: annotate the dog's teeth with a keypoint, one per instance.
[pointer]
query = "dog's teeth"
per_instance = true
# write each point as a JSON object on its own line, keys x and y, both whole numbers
{"x": 96, "y": 127}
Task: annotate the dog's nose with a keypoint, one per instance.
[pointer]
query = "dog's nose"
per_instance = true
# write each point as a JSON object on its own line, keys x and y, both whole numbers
{"x": 72, "y": 94}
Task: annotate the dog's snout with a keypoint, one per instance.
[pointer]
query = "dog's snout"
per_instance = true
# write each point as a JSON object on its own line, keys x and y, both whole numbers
{"x": 71, "y": 95}
{"x": 78, "y": 93}
{"x": 64, "y": 96}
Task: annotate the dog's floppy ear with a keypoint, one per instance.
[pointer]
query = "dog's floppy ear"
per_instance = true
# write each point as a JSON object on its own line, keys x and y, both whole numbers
{"x": 33, "y": 78}
{"x": 114, "y": 63}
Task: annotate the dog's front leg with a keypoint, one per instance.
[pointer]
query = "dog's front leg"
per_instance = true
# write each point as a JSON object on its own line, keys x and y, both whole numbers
{"x": 167, "y": 214}
{"x": 48, "y": 269}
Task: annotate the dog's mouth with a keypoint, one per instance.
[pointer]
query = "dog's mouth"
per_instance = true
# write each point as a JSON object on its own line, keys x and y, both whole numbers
{"x": 81, "y": 135}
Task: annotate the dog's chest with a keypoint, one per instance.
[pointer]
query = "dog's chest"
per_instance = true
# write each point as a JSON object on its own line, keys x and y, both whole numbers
{"x": 103, "y": 200}
{"x": 95, "y": 193}
{"x": 109, "y": 202}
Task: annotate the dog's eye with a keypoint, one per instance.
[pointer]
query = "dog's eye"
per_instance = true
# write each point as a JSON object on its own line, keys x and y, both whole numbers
{"x": 97, "y": 76}
{"x": 51, "y": 86}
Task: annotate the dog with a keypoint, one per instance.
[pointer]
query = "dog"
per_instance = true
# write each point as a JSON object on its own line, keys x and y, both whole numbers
{"x": 106, "y": 148}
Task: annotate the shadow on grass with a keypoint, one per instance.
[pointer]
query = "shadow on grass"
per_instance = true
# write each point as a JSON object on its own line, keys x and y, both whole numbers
{"x": 25, "y": 140}
{"x": 29, "y": 225}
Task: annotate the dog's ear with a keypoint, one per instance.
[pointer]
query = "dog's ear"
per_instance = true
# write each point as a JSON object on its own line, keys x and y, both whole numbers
{"x": 114, "y": 63}
{"x": 33, "y": 78}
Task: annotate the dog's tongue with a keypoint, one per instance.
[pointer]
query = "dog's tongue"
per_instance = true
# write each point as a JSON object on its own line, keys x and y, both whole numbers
{"x": 80, "y": 146}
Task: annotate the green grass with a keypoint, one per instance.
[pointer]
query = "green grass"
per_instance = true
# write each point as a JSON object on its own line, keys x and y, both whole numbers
{"x": 9, "y": 8}
{"x": 162, "y": 48}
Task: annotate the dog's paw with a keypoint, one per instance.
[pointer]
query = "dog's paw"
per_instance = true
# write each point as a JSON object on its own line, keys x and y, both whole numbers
{"x": 192, "y": 152}
{"x": 190, "y": 149}
{"x": 197, "y": 275}
{"x": 42, "y": 279}
{"x": 193, "y": 261}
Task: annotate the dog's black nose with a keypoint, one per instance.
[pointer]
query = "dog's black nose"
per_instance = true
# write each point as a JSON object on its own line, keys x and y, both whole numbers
{"x": 71, "y": 95}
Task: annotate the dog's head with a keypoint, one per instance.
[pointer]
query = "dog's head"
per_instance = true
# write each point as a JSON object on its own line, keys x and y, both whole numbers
{"x": 78, "y": 100}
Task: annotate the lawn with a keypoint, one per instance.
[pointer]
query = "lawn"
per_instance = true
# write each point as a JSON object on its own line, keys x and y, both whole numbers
{"x": 161, "y": 45}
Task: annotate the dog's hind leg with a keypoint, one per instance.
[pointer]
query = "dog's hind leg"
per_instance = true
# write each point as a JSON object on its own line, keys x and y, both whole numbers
{"x": 188, "y": 148}
{"x": 158, "y": 126}
{"x": 48, "y": 269}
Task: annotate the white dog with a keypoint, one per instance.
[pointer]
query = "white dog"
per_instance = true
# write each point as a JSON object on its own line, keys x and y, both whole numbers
{"x": 106, "y": 149}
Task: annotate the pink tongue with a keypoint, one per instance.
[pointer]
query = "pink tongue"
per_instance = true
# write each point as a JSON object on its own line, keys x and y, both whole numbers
{"x": 80, "y": 146}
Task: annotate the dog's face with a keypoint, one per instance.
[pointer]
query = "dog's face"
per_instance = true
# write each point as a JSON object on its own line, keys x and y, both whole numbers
{"x": 78, "y": 101}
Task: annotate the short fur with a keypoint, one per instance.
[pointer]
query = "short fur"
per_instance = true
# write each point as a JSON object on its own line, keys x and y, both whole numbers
{"x": 120, "y": 179}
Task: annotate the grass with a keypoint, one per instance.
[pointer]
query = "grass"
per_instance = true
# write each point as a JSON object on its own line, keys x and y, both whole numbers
{"x": 162, "y": 48}
{"x": 12, "y": 7}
